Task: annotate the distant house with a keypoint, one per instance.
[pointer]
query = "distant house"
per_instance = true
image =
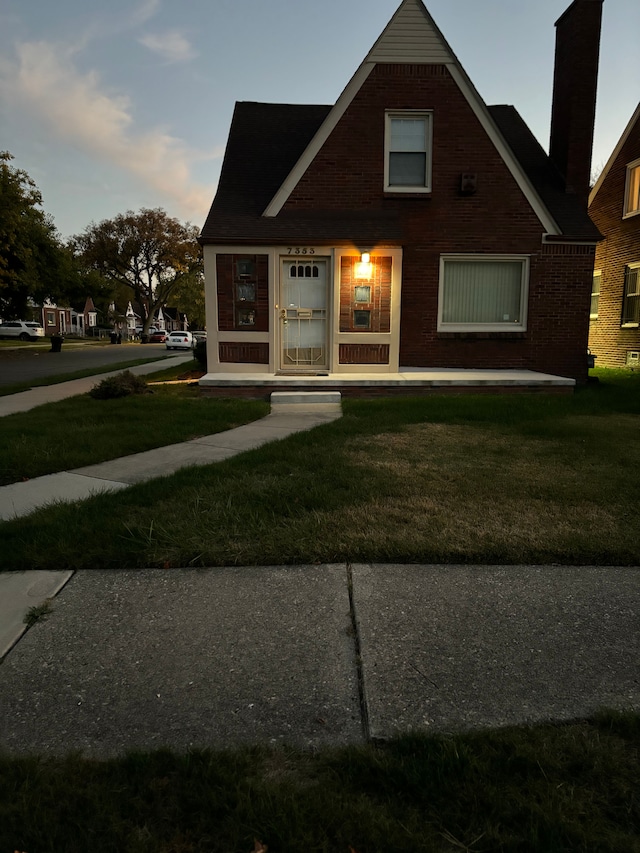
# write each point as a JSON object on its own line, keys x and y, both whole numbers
{"x": 407, "y": 226}
{"x": 56, "y": 319}
{"x": 175, "y": 320}
{"x": 614, "y": 206}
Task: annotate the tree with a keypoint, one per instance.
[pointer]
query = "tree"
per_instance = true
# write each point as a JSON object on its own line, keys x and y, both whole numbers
{"x": 34, "y": 264}
{"x": 149, "y": 252}
{"x": 188, "y": 297}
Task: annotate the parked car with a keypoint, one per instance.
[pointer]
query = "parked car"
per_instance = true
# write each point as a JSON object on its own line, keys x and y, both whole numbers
{"x": 157, "y": 337}
{"x": 22, "y": 330}
{"x": 180, "y": 340}
{"x": 199, "y": 335}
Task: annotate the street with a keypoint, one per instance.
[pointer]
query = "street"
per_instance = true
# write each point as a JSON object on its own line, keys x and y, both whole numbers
{"x": 25, "y": 364}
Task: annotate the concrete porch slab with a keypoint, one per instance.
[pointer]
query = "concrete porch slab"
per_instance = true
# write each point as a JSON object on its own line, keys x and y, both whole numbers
{"x": 185, "y": 658}
{"x": 449, "y": 648}
{"x": 406, "y": 381}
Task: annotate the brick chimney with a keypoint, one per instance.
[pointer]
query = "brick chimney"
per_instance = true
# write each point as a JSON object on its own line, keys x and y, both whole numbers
{"x": 574, "y": 93}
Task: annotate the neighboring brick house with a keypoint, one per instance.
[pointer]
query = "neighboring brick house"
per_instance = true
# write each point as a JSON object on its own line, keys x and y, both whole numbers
{"x": 614, "y": 206}
{"x": 56, "y": 320}
{"x": 409, "y": 225}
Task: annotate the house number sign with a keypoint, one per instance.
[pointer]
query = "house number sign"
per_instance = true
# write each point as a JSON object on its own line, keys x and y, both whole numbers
{"x": 298, "y": 250}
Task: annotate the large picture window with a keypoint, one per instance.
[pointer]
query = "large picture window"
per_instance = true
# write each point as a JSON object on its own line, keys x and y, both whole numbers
{"x": 631, "y": 299}
{"x": 483, "y": 293}
{"x": 632, "y": 189}
{"x": 408, "y": 152}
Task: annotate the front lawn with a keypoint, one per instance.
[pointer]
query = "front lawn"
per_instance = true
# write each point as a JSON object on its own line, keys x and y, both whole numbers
{"x": 490, "y": 479}
{"x": 541, "y": 789}
{"x": 82, "y": 431}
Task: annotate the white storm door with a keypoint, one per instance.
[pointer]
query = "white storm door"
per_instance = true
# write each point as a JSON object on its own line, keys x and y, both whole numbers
{"x": 303, "y": 315}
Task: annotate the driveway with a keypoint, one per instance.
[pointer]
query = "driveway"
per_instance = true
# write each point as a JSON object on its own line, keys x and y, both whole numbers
{"x": 25, "y": 364}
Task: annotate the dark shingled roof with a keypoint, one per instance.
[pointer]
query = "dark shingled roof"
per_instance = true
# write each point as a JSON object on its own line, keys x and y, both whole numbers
{"x": 265, "y": 142}
{"x": 566, "y": 209}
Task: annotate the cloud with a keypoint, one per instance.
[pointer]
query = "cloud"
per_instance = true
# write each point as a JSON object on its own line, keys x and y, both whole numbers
{"x": 76, "y": 108}
{"x": 171, "y": 46}
{"x": 144, "y": 12}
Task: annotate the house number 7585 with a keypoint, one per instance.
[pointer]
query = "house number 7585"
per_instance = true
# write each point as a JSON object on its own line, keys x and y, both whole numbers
{"x": 300, "y": 251}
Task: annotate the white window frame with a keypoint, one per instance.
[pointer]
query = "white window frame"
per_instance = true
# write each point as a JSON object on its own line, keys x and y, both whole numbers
{"x": 427, "y": 115}
{"x": 628, "y": 210}
{"x": 593, "y": 315}
{"x": 506, "y": 327}
{"x": 633, "y": 266}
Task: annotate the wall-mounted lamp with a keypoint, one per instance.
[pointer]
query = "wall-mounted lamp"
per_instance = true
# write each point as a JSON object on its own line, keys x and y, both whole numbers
{"x": 364, "y": 268}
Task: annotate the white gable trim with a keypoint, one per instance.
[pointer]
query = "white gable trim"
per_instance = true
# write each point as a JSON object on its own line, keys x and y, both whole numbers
{"x": 412, "y": 36}
{"x": 614, "y": 156}
{"x": 291, "y": 181}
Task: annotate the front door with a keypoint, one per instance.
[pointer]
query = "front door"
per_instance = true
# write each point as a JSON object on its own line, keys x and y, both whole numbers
{"x": 303, "y": 315}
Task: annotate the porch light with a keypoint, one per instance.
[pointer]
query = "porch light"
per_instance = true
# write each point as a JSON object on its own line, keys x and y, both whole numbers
{"x": 364, "y": 268}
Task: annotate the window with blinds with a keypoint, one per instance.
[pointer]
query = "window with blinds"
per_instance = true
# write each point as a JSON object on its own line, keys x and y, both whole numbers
{"x": 483, "y": 293}
{"x": 407, "y": 152}
{"x": 595, "y": 295}
{"x": 631, "y": 298}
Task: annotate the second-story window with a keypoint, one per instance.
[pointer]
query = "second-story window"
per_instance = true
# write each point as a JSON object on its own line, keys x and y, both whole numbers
{"x": 632, "y": 190}
{"x": 408, "y": 152}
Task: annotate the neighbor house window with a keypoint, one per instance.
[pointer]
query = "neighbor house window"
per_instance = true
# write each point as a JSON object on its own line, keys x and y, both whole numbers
{"x": 595, "y": 295}
{"x": 407, "y": 166}
{"x": 483, "y": 293}
{"x": 631, "y": 298}
{"x": 51, "y": 318}
{"x": 632, "y": 191}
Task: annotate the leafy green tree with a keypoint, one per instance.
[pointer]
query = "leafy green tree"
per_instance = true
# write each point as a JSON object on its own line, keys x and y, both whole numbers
{"x": 188, "y": 297}
{"x": 34, "y": 264}
{"x": 149, "y": 252}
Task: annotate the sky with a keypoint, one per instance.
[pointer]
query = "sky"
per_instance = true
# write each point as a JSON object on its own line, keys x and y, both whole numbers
{"x": 119, "y": 105}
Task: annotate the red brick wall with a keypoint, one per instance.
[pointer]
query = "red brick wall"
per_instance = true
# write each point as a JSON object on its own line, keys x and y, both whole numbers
{"x": 607, "y": 339}
{"x": 364, "y": 353}
{"x": 380, "y": 304}
{"x": 244, "y": 353}
{"x": 228, "y": 307}
{"x": 348, "y": 173}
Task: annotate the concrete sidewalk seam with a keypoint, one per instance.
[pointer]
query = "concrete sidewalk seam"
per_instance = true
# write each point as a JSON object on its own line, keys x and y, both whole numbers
{"x": 355, "y": 628}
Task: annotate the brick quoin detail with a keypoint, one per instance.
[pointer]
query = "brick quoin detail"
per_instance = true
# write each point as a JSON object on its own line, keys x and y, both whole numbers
{"x": 244, "y": 353}
{"x": 364, "y": 354}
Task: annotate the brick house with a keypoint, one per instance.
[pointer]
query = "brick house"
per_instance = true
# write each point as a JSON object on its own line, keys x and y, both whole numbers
{"x": 409, "y": 226}
{"x": 614, "y": 206}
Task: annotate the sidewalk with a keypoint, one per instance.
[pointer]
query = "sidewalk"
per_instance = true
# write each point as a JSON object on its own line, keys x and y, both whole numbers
{"x": 316, "y": 655}
{"x": 26, "y": 400}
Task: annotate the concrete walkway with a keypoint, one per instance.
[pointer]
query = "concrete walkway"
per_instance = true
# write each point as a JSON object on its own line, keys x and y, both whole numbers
{"x": 285, "y": 418}
{"x": 316, "y": 655}
{"x": 26, "y": 400}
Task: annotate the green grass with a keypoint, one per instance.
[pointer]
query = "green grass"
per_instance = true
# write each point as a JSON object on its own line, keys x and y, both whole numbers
{"x": 81, "y": 431}
{"x": 544, "y": 789}
{"x": 17, "y": 387}
{"x": 504, "y": 480}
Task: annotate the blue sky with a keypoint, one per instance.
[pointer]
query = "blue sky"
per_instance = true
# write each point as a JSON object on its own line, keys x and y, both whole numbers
{"x": 127, "y": 104}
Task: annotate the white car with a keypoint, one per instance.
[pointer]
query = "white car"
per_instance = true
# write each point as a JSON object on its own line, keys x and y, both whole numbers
{"x": 179, "y": 340}
{"x": 23, "y": 330}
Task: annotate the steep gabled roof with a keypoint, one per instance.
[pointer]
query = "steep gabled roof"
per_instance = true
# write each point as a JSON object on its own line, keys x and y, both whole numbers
{"x": 270, "y": 147}
{"x": 265, "y": 141}
{"x": 616, "y": 151}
